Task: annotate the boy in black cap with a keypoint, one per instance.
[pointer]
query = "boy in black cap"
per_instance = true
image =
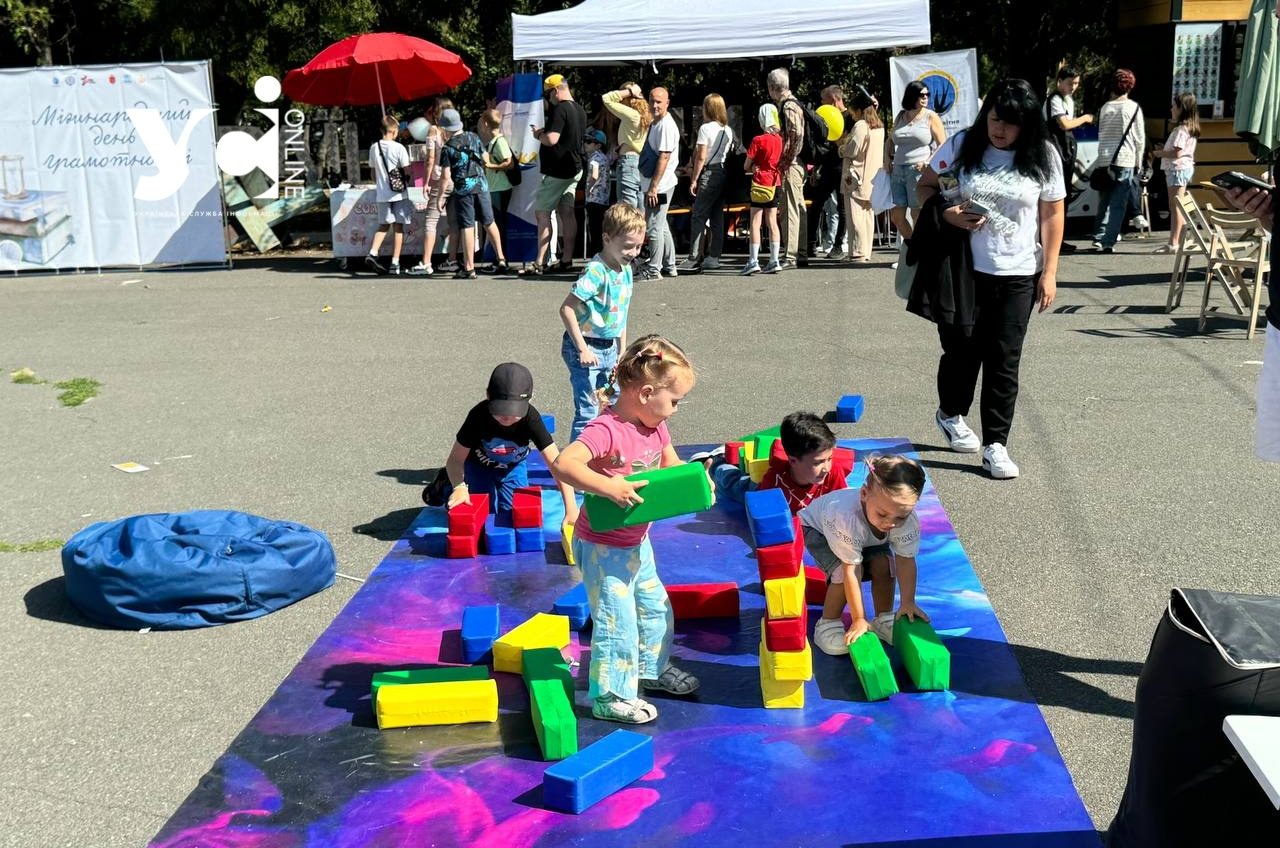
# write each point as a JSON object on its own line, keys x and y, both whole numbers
{"x": 488, "y": 455}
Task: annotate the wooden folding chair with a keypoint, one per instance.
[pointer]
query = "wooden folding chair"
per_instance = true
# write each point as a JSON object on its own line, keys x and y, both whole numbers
{"x": 1195, "y": 242}
{"x": 1232, "y": 260}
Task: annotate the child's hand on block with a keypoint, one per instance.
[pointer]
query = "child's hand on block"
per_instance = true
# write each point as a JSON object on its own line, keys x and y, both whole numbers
{"x": 912, "y": 611}
{"x": 624, "y": 492}
{"x": 856, "y": 629}
{"x": 460, "y": 495}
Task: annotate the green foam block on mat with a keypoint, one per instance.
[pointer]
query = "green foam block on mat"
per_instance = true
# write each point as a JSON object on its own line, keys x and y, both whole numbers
{"x": 872, "y": 664}
{"x": 439, "y": 674}
{"x": 678, "y": 490}
{"x": 546, "y": 673}
{"x": 762, "y": 440}
{"x": 926, "y": 659}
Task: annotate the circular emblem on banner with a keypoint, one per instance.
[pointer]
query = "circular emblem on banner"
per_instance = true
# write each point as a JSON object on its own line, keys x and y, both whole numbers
{"x": 942, "y": 90}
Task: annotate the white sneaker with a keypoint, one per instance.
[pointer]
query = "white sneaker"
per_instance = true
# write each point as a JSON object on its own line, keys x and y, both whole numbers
{"x": 882, "y": 626}
{"x": 959, "y": 436}
{"x": 1139, "y": 222}
{"x": 421, "y": 270}
{"x": 703, "y": 456}
{"x": 995, "y": 458}
{"x": 710, "y": 263}
{"x": 828, "y": 635}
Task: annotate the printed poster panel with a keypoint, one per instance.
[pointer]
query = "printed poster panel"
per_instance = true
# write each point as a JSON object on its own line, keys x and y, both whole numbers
{"x": 1197, "y": 59}
{"x": 952, "y": 80}
{"x": 108, "y": 165}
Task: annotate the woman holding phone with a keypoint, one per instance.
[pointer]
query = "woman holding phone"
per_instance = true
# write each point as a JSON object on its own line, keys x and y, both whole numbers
{"x": 1001, "y": 180}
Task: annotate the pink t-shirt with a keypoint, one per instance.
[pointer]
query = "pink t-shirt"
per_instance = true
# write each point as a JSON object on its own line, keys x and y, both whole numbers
{"x": 619, "y": 448}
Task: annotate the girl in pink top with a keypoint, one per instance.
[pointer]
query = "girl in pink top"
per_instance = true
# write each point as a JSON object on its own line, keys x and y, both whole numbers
{"x": 1179, "y": 162}
{"x": 632, "y": 620}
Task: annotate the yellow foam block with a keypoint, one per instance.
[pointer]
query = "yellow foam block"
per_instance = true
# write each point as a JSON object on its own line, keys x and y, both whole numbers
{"x": 542, "y": 631}
{"x": 566, "y": 540}
{"x": 780, "y": 694}
{"x": 784, "y": 597}
{"x": 787, "y": 665}
{"x": 757, "y": 468}
{"x": 456, "y": 702}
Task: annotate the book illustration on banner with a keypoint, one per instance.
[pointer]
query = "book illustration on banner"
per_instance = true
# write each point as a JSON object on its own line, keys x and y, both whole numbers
{"x": 35, "y": 226}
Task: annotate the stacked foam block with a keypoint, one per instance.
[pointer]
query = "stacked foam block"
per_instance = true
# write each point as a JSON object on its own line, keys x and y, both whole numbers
{"x": 466, "y": 524}
{"x": 786, "y": 660}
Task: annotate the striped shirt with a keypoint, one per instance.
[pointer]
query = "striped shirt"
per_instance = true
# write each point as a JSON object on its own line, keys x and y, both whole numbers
{"x": 1113, "y": 117}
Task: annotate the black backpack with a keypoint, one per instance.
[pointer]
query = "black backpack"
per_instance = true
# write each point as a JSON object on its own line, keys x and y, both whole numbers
{"x": 815, "y": 144}
{"x": 1061, "y": 139}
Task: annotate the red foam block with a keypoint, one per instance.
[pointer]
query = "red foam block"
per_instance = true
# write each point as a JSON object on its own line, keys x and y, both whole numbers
{"x": 462, "y": 547}
{"x": 467, "y": 519}
{"x": 783, "y": 560}
{"x": 526, "y": 507}
{"x": 842, "y": 460}
{"x": 786, "y": 634}
{"x": 732, "y": 452}
{"x": 777, "y": 454}
{"x": 815, "y": 585}
{"x": 704, "y": 600}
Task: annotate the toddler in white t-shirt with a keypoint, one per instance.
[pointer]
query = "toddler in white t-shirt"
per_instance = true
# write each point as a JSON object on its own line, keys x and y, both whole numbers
{"x": 851, "y": 534}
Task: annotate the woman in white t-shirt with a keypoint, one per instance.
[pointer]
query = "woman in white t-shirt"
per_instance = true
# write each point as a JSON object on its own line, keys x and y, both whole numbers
{"x": 706, "y": 184}
{"x": 1002, "y": 181}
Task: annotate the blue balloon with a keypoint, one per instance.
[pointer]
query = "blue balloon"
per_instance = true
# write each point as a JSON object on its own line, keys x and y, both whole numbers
{"x": 418, "y": 128}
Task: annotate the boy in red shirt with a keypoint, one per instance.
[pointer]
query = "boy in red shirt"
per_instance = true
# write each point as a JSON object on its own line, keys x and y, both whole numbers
{"x": 807, "y": 473}
{"x": 762, "y": 164}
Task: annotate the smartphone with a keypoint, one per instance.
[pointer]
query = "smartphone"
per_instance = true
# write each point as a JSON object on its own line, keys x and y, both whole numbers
{"x": 1235, "y": 179}
{"x": 973, "y": 207}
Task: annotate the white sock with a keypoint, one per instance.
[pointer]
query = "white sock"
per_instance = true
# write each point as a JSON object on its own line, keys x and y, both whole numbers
{"x": 773, "y": 251}
{"x": 755, "y": 252}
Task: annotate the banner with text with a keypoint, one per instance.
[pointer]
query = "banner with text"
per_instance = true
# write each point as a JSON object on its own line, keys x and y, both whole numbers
{"x": 521, "y": 106}
{"x": 952, "y": 80}
{"x": 108, "y": 165}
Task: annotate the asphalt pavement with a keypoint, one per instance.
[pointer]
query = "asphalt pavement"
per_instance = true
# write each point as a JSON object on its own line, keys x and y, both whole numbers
{"x": 289, "y": 389}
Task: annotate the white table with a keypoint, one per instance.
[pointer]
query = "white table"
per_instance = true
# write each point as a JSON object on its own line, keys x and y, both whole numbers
{"x": 1257, "y": 739}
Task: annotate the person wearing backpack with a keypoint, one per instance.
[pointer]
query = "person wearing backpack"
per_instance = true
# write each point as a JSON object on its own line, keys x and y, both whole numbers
{"x": 917, "y": 133}
{"x": 1122, "y": 141}
{"x": 463, "y": 155}
{"x": 706, "y": 184}
{"x": 1060, "y": 111}
{"x": 794, "y": 219}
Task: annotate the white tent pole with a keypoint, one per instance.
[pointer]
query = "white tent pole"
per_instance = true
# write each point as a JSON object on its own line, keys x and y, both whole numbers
{"x": 378, "y": 76}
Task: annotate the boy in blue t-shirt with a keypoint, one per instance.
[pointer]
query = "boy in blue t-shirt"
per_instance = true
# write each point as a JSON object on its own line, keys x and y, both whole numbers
{"x": 595, "y": 312}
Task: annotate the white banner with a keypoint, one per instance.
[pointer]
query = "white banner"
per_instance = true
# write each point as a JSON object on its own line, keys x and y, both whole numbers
{"x": 521, "y": 106}
{"x": 952, "y": 80}
{"x": 108, "y": 165}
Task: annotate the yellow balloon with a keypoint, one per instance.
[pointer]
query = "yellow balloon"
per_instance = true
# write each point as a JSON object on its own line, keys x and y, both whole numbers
{"x": 835, "y": 121}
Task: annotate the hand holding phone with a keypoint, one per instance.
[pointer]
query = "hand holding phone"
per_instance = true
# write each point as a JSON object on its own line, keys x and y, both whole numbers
{"x": 973, "y": 207}
{"x": 1235, "y": 179}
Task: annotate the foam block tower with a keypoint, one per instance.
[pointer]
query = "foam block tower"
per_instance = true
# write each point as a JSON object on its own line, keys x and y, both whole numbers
{"x": 466, "y": 524}
{"x": 786, "y": 660}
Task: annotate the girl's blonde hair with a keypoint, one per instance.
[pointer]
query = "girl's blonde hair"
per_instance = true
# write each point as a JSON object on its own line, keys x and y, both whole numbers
{"x": 1188, "y": 113}
{"x": 640, "y": 105}
{"x": 649, "y": 360}
{"x": 896, "y": 475}
{"x": 713, "y": 109}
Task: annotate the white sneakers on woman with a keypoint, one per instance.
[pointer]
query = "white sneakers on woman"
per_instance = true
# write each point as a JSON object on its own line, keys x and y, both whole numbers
{"x": 995, "y": 458}
{"x": 960, "y": 438}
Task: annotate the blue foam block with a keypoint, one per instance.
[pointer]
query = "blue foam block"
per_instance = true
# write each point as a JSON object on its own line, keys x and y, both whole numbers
{"x": 498, "y": 539}
{"x": 426, "y": 535}
{"x": 597, "y": 771}
{"x": 529, "y": 539}
{"x": 849, "y": 409}
{"x": 549, "y": 421}
{"x": 573, "y": 603}
{"x": 769, "y": 518}
{"x": 479, "y": 629}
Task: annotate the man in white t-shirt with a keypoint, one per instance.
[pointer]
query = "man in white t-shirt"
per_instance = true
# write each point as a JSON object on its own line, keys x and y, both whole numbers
{"x": 394, "y": 207}
{"x": 664, "y": 141}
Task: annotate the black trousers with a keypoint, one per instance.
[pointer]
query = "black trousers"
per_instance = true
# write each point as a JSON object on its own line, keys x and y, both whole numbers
{"x": 994, "y": 347}
{"x": 595, "y": 228}
{"x": 828, "y": 183}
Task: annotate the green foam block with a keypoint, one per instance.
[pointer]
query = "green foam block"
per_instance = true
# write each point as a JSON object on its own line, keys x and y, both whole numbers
{"x": 678, "y": 490}
{"x": 872, "y": 664}
{"x": 926, "y": 659}
{"x": 547, "y": 664}
{"x": 439, "y": 674}
{"x": 762, "y": 440}
{"x": 553, "y": 719}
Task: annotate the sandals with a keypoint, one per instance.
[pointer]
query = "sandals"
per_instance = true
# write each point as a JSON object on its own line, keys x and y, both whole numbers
{"x": 634, "y": 711}
{"x": 498, "y": 268}
{"x": 672, "y": 681}
{"x": 533, "y": 269}
{"x": 465, "y": 274}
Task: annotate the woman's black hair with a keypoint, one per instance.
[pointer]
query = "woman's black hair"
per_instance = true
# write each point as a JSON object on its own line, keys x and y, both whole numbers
{"x": 911, "y": 94}
{"x": 1014, "y": 102}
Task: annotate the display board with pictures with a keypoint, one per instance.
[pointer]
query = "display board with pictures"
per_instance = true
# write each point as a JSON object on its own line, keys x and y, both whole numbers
{"x": 1197, "y": 61}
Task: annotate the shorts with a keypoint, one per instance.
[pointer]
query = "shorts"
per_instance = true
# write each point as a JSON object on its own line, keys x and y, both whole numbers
{"x": 433, "y": 209}
{"x": 463, "y": 209}
{"x": 1178, "y": 176}
{"x": 395, "y": 212}
{"x": 902, "y": 185}
{"x": 815, "y": 542}
{"x": 486, "y": 207}
{"x": 554, "y": 192}
{"x": 758, "y": 191}
{"x": 1267, "y": 433}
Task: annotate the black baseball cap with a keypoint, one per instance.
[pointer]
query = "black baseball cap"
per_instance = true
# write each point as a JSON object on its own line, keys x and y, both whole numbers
{"x": 510, "y": 387}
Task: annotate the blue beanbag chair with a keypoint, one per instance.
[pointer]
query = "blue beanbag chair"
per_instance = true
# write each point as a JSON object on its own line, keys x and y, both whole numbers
{"x": 178, "y": 571}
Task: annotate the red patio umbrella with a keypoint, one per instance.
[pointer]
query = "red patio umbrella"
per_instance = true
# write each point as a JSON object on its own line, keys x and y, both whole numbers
{"x": 376, "y": 67}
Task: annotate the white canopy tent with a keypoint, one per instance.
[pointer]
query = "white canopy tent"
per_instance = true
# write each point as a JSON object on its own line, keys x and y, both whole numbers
{"x": 613, "y": 32}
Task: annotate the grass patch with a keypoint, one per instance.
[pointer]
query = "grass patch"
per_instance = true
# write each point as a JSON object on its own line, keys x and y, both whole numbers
{"x": 77, "y": 390}
{"x": 25, "y": 376}
{"x": 35, "y": 547}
